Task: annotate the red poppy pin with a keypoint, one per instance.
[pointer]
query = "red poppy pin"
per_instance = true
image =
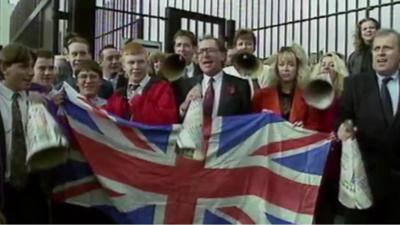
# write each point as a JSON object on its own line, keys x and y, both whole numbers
{"x": 231, "y": 90}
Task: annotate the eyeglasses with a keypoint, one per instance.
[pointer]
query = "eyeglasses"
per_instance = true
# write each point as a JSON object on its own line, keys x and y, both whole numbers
{"x": 207, "y": 50}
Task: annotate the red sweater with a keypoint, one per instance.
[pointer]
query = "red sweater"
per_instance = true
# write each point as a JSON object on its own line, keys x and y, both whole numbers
{"x": 155, "y": 106}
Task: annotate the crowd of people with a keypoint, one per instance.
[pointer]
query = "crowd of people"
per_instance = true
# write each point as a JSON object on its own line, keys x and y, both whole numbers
{"x": 133, "y": 84}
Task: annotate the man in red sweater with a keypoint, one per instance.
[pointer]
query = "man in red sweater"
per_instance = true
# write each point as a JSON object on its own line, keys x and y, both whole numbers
{"x": 143, "y": 99}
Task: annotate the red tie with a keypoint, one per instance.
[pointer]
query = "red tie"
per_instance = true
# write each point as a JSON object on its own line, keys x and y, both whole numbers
{"x": 208, "y": 101}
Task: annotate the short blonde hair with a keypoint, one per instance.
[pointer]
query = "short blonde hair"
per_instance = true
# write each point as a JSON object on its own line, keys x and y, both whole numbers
{"x": 340, "y": 69}
{"x": 133, "y": 48}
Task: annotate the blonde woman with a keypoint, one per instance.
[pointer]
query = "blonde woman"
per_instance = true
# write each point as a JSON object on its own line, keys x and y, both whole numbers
{"x": 284, "y": 95}
{"x": 332, "y": 64}
{"x": 324, "y": 121}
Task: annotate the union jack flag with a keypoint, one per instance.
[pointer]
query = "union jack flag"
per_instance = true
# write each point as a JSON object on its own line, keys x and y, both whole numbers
{"x": 258, "y": 168}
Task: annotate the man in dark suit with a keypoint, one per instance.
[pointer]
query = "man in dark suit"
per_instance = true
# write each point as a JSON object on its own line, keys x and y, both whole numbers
{"x": 111, "y": 65}
{"x": 223, "y": 95}
{"x": 371, "y": 101}
{"x": 185, "y": 44}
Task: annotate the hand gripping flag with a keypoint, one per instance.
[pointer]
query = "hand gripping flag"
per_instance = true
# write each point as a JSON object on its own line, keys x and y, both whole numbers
{"x": 257, "y": 169}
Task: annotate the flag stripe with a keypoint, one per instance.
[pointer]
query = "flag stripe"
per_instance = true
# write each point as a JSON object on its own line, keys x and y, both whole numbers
{"x": 238, "y": 214}
{"x": 289, "y": 144}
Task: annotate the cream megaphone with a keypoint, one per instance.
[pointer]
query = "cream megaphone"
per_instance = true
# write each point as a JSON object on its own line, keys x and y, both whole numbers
{"x": 319, "y": 92}
{"x": 46, "y": 144}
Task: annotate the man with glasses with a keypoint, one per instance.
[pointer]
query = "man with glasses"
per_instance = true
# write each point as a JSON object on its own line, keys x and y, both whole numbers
{"x": 223, "y": 95}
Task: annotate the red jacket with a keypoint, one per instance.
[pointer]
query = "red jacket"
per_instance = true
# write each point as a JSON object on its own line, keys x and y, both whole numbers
{"x": 155, "y": 106}
{"x": 268, "y": 98}
{"x": 323, "y": 120}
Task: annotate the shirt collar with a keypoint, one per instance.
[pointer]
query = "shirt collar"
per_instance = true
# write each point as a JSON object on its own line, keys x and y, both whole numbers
{"x": 190, "y": 67}
{"x": 8, "y": 93}
{"x": 394, "y": 76}
{"x": 143, "y": 82}
{"x": 217, "y": 77}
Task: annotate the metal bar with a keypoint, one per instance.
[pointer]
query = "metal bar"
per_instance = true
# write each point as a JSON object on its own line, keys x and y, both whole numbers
{"x": 149, "y": 27}
{"x": 197, "y": 22}
{"x": 252, "y": 14}
{"x": 223, "y": 9}
{"x": 265, "y": 24}
{"x": 114, "y": 21}
{"x": 182, "y": 5}
{"x": 286, "y": 15}
{"x": 217, "y": 8}
{"x": 327, "y": 26}
{"x": 116, "y": 29}
{"x": 336, "y": 25}
{"x": 309, "y": 27}
{"x": 277, "y": 29}
{"x": 293, "y": 17}
{"x": 231, "y": 10}
{"x": 246, "y": 17}
{"x": 240, "y": 13}
{"x": 258, "y": 32}
{"x": 272, "y": 23}
{"x": 318, "y": 39}
{"x": 357, "y": 10}
{"x": 346, "y": 19}
{"x": 103, "y": 22}
{"x": 158, "y": 21}
{"x": 391, "y": 14}
{"x": 380, "y": 11}
{"x": 368, "y": 8}
{"x": 133, "y": 13}
{"x": 124, "y": 17}
{"x": 56, "y": 24}
{"x": 301, "y": 23}
{"x": 211, "y": 7}
{"x": 204, "y": 12}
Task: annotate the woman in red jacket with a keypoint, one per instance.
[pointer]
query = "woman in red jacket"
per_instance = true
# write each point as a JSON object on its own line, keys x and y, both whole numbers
{"x": 324, "y": 120}
{"x": 285, "y": 96}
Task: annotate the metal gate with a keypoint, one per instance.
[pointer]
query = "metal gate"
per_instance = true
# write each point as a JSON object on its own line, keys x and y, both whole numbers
{"x": 199, "y": 24}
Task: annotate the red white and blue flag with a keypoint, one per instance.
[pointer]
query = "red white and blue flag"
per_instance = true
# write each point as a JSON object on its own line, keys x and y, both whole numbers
{"x": 258, "y": 169}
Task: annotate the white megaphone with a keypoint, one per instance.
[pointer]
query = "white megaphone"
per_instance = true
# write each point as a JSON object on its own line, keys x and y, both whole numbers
{"x": 46, "y": 144}
{"x": 319, "y": 92}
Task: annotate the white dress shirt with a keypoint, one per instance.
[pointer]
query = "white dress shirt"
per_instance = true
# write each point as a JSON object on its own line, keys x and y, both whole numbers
{"x": 6, "y": 113}
{"x": 139, "y": 90}
{"x": 393, "y": 87}
{"x": 190, "y": 70}
{"x": 217, "y": 89}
